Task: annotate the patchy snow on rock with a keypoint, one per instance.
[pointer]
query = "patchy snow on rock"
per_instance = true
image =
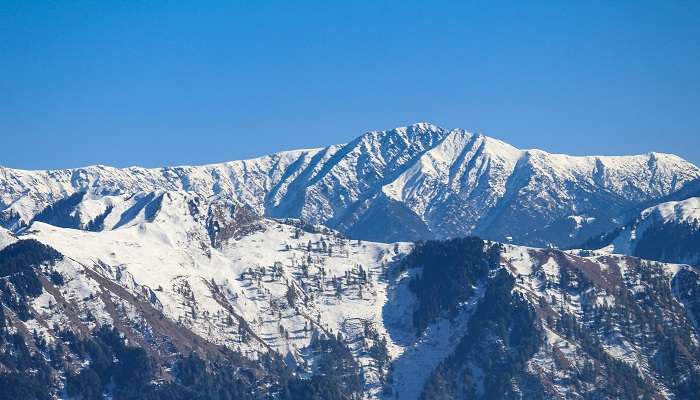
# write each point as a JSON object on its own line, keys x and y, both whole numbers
{"x": 439, "y": 341}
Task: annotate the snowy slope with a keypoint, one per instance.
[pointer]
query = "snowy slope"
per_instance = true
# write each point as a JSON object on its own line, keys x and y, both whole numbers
{"x": 6, "y": 238}
{"x": 274, "y": 286}
{"x": 668, "y": 231}
{"x": 408, "y": 183}
{"x": 170, "y": 261}
{"x": 686, "y": 211}
{"x": 591, "y": 287}
{"x": 25, "y": 193}
{"x": 211, "y": 290}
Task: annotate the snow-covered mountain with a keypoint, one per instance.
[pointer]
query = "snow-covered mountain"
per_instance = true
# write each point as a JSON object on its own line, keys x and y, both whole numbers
{"x": 668, "y": 231}
{"x": 293, "y": 276}
{"x": 409, "y": 183}
{"x": 460, "y": 318}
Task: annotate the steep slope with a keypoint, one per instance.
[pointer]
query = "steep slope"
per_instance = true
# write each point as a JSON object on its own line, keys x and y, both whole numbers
{"x": 563, "y": 326}
{"x": 286, "y": 304}
{"x": 453, "y": 185}
{"x": 69, "y": 330}
{"x": 301, "y": 183}
{"x": 202, "y": 287}
{"x": 274, "y": 289}
{"x": 26, "y": 193}
{"x": 6, "y": 238}
{"x": 550, "y": 189}
{"x": 669, "y": 231}
{"x": 415, "y": 182}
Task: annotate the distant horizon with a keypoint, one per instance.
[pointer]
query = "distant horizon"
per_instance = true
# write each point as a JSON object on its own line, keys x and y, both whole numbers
{"x": 318, "y": 148}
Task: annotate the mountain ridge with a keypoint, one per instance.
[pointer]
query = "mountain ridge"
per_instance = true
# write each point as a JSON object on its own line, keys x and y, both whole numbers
{"x": 449, "y": 182}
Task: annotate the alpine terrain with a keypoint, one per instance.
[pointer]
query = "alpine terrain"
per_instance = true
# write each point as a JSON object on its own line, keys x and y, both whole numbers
{"x": 412, "y": 263}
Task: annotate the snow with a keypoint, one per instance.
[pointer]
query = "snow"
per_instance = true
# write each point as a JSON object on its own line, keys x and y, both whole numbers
{"x": 435, "y": 344}
{"x": 551, "y": 269}
{"x": 533, "y": 288}
{"x": 6, "y": 238}
{"x": 44, "y": 301}
{"x": 673, "y": 212}
{"x": 171, "y": 256}
{"x": 519, "y": 259}
{"x": 686, "y": 211}
{"x": 580, "y": 220}
{"x": 172, "y": 259}
{"x": 170, "y": 262}
{"x": 451, "y": 179}
{"x": 460, "y": 164}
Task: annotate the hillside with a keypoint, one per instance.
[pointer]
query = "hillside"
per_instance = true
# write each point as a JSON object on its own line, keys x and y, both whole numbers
{"x": 669, "y": 231}
{"x": 288, "y": 308}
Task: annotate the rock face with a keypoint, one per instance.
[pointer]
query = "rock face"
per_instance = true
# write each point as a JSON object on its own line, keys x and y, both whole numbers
{"x": 410, "y": 183}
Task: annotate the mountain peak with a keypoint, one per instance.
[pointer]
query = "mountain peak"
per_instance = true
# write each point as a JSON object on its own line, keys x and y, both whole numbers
{"x": 422, "y": 127}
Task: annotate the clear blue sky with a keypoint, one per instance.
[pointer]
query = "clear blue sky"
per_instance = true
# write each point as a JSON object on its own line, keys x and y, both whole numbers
{"x": 160, "y": 83}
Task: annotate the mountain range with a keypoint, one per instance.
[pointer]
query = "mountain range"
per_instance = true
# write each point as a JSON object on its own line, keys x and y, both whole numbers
{"x": 412, "y": 263}
{"x": 411, "y": 183}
